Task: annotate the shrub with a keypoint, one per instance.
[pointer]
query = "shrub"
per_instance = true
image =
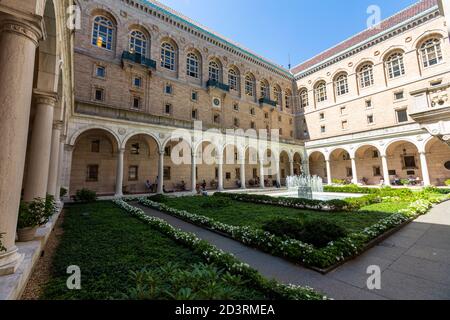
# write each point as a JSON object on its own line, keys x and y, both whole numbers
{"x": 171, "y": 282}
{"x": 284, "y": 227}
{"x": 216, "y": 202}
{"x": 50, "y": 206}
{"x": 32, "y": 214}
{"x": 447, "y": 182}
{"x": 320, "y": 232}
{"x": 338, "y": 181}
{"x": 160, "y": 198}
{"x": 85, "y": 195}
{"x": 62, "y": 192}
{"x": 405, "y": 182}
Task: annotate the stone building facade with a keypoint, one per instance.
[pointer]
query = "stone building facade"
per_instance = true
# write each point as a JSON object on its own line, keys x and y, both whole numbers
{"x": 375, "y": 107}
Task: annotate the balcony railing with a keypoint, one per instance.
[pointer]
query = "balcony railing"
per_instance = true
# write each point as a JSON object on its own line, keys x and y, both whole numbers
{"x": 216, "y": 84}
{"x": 139, "y": 59}
{"x": 267, "y": 101}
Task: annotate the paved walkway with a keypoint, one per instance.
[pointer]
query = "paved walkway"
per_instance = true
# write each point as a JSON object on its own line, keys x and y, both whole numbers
{"x": 415, "y": 262}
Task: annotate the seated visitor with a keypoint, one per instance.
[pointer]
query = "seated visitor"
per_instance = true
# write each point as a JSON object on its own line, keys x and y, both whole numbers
{"x": 148, "y": 186}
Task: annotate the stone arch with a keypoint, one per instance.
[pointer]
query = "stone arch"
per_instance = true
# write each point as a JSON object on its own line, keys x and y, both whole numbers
{"x": 369, "y": 164}
{"x": 144, "y": 133}
{"x": 94, "y": 161}
{"x": 78, "y": 133}
{"x": 317, "y": 163}
{"x": 47, "y": 54}
{"x": 362, "y": 62}
{"x": 403, "y": 158}
{"x": 438, "y": 158}
{"x": 285, "y": 165}
{"x": 426, "y": 35}
{"x": 391, "y": 50}
{"x": 340, "y": 164}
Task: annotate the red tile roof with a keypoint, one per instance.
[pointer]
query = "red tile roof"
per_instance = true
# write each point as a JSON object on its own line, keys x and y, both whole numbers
{"x": 396, "y": 19}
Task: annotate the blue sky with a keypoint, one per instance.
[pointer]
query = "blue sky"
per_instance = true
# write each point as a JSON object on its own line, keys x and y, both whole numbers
{"x": 277, "y": 29}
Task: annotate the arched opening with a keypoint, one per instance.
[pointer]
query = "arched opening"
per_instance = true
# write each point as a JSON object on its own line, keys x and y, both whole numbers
{"x": 94, "y": 162}
{"x": 341, "y": 166}
{"x": 231, "y": 167}
{"x": 177, "y": 166}
{"x": 404, "y": 163}
{"x": 369, "y": 165}
{"x": 252, "y": 172}
{"x": 285, "y": 169}
{"x": 438, "y": 158}
{"x": 140, "y": 172}
{"x": 207, "y": 169}
{"x": 317, "y": 165}
{"x": 297, "y": 164}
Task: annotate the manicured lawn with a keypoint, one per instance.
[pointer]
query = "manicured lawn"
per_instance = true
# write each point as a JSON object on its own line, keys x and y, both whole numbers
{"x": 390, "y": 207}
{"x": 107, "y": 244}
{"x": 239, "y": 213}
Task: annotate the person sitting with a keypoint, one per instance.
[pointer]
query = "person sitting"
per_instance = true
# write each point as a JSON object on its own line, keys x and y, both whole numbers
{"x": 148, "y": 186}
{"x": 204, "y": 184}
{"x": 238, "y": 183}
{"x": 183, "y": 185}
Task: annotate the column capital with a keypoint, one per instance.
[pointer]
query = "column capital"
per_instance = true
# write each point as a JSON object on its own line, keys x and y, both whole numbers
{"x": 29, "y": 30}
{"x": 43, "y": 97}
{"x": 121, "y": 150}
{"x": 68, "y": 147}
{"x": 58, "y": 125}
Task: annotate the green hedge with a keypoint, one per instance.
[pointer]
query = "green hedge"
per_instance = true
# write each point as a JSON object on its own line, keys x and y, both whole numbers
{"x": 220, "y": 258}
{"x": 351, "y": 204}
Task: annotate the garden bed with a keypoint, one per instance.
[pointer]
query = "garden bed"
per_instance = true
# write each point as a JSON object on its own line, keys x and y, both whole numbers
{"x": 322, "y": 259}
{"x": 122, "y": 258}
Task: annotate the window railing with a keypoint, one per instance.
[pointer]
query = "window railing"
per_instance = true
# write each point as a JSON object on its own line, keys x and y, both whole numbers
{"x": 139, "y": 59}
{"x": 217, "y": 84}
{"x": 267, "y": 101}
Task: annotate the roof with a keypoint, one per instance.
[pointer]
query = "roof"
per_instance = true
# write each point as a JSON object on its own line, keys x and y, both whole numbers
{"x": 361, "y": 37}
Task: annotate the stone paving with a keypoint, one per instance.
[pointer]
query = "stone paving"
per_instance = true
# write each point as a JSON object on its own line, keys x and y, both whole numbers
{"x": 415, "y": 262}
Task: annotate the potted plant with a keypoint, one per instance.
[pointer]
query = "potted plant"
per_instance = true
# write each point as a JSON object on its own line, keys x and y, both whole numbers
{"x": 31, "y": 216}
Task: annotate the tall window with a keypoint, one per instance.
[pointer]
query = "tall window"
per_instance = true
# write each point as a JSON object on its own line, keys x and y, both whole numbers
{"x": 167, "y": 56}
{"x": 192, "y": 66}
{"x": 138, "y": 42}
{"x": 102, "y": 33}
{"x": 288, "y": 98}
{"x": 365, "y": 75}
{"x": 395, "y": 66}
{"x": 233, "y": 81}
{"x": 304, "y": 102}
{"x": 321, "y": 91}
{"x": 214, "y": 71}
{"x": 264, "y": 89}
{"x": 341, "y": 85}
{"x": 431, "y": 52}
{"x": 249, "y": 85}
{"x": 277, "y": 95}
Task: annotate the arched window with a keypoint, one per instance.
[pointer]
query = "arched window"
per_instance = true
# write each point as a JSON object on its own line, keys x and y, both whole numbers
{"x": 341, "y": 84}
{"x": 321, "y": 91}
{"x": 167, "y": 56}
{"x": 277, "y": 96}
{"x": 288, "y": 98}
{"x": 431, "y": 52}
{"x": 233, "y": 80}
{"x": 192, "y": 67}
{"x": 264, "y": 89}
{"x": 365, "y": 75}
{"x": 214, "y": 71}
{"x": 395, "y": 66}
{"x": 304, "y": 100}
{"x": 103, "y": 33}
{"x": 138, "y": 42}
{"x": 249, "y": 85}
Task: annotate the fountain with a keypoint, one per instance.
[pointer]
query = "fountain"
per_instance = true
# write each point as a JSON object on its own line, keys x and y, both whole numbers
{"x": 305, "y": 185}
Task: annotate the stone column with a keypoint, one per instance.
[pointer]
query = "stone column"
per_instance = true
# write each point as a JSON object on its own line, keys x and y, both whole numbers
{"x": 60, "y": 169}
{"x": 220, "y": 175}
{"x": 40, "y": 147}
{"x": 261, "y": 174}
{"x": 67, "y": 167}
{"x": 329, "y": 180}
{"x": 18, "y": 42}
{"x": 243, "y": 183}
{"x": 424, "y": 166}
{"x": 277, "y": 168}
{"x": 54, "y": 160}
{"x": 291, "y": 167}
{"x": 384, "y": 163}
{"x": 355, "y": 173}
{"x": 161, "y": 172}
{"x": 119, "y": 173}
{"x": 193, "y": 172}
